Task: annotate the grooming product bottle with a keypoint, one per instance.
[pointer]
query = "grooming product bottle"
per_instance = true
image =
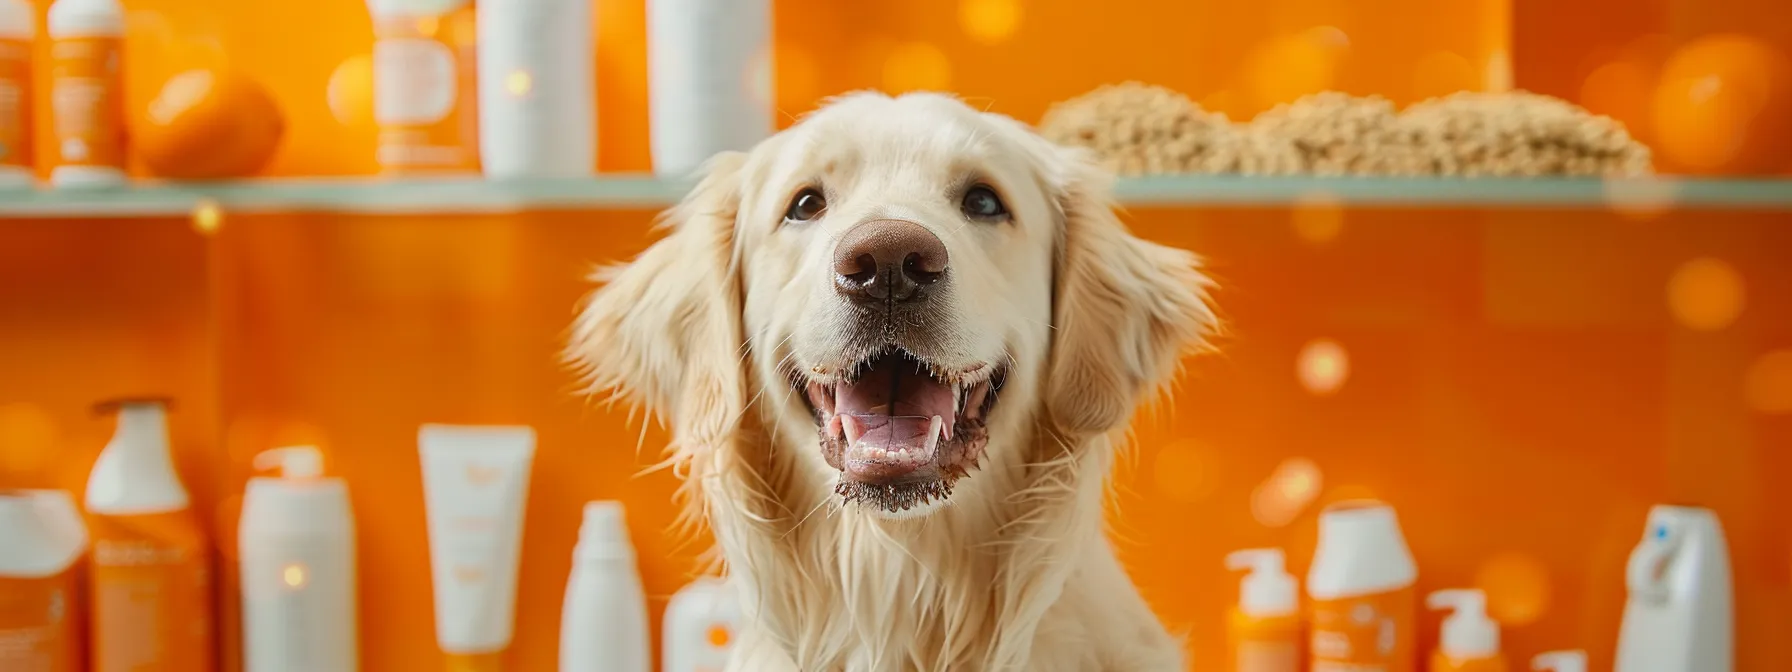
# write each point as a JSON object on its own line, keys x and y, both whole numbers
{"x": 424, "y": 86}
{"x": 40, "y": 628}
{"x": 1679, "y": 615}
{"x": 1470, "y": 641}
{"x": 18, "y": 26}
{"x": 87, "y": 119}
{"x": 475, "y": 492}
{"x": 296, "y": 546}
{"x": 150, "y": 585}
{"x": 604, "y": 624}
{"x": 1560, "y": 661}
{"x": 708, "y": 79}
{"x": 537, "y": 89}
{"x": 1263, "y": 631}
{"x": 1361, "y": 587}
{"x": 701, "y": 623}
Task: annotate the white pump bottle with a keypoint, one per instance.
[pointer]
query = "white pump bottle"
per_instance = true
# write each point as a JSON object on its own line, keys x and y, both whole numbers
{"x": 1470, "y": 641}
{"x": 603, "y": 627}
{"x": 1560, "y": 661}
{"x": 297, "y": 548}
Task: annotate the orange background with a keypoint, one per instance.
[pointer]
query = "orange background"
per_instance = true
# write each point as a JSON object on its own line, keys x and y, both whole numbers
{"x": 1522, "y": 385}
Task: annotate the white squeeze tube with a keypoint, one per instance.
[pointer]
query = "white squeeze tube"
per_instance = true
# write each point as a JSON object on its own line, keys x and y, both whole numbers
{"x": 475, "y": 485}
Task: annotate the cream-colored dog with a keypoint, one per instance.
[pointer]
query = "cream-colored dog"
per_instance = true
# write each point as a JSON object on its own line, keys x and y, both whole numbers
{"x": 895, "y": 344}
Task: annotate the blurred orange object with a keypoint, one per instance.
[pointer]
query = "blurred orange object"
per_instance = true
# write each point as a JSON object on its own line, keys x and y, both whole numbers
{"x": 209, "y": 123}
{"x": 1724, "y": 105}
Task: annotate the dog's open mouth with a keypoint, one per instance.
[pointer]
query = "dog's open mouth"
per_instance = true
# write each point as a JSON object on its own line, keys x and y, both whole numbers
{"x": 900, "y": 431}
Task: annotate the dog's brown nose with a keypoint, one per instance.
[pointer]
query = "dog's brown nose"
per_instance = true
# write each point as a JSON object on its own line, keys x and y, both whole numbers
{"x": 888, "y": 259}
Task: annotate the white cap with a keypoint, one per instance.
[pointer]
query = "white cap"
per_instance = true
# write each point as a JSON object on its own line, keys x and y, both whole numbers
{"x": 1468, "y": 633}
{"x": 293, "y": 461}
{"x": 1269, "y": 589}
{"x": 1561, "y": 661}
{"x": 604, "y": 533}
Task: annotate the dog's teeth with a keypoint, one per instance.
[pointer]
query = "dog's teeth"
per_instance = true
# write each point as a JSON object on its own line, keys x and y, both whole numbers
{"x": 850, "y": 426}
{"x": 934, "y": 430}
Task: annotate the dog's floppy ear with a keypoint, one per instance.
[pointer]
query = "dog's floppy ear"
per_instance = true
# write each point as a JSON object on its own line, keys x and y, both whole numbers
{"x": 664, "y": 331}
{"x": 1125, "y": 310}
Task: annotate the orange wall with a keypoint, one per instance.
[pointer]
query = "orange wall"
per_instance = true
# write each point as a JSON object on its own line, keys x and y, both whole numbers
{"x": 1521, "y": 385}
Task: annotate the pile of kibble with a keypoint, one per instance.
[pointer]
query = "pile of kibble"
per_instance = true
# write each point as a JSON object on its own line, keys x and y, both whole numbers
{"x": 1139, "y": 129}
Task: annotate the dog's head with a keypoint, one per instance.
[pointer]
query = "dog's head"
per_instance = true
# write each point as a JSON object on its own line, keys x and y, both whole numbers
{"x": 901, "y": 279}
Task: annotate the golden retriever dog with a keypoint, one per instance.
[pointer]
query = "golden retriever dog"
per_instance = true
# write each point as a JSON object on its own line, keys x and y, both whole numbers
{"x": 896, "y": 346}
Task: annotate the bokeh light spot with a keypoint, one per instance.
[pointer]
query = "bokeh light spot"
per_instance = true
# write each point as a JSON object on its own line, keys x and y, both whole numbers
{"x": 1287, "y": 492}
{"x": 208, "y": 217}
{"x": 519, "y": 83}
{"x": 1318, "y": 217}
{"x": 1724, "y": 105}
{"x": 294, "y": 576}
{"x": 1768, "y": 384}
{"x": 28, "y": 438}
{"x": 1517, "y": 587}
{"x": 1322, "y": 366}
{"x": 916, "y": 66}
{"x": 1291, "y": 66}
{"x": 1183, "y": 473}
{"x": 989, "y": 22}
{"x": 350, "y": 92}
{"x": 1705, "y": 294}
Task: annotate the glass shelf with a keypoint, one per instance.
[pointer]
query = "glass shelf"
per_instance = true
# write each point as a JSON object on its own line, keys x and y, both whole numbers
{"x": 640, "y": 191}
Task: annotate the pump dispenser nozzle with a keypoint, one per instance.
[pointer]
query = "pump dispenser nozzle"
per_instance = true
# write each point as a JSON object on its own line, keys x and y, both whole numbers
{"x": 293, "y": 461}
{"x": 1269, "y": 589}
{"x": 1468, "y": 633}
{"x": 1561, "y": 661}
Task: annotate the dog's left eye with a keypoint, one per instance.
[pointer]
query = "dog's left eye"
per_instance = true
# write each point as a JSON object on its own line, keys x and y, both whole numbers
{"x": 982, "y": 203}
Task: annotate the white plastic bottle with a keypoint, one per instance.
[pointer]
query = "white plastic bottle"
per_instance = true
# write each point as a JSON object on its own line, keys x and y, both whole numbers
{"x": 1263, "y": 631}
{"x": 1470, "y": 641}
{"x": 537, "y": 89}
{"x": 1574, "y": 660}
{"x": 39, "y": 578}
{"x": 1364, "y": 606}
{"x": 708, "y": 79}
{"x": 604, "y": 625}
{"x": 702, "y": 623}
{"x": 18, "y": 26}
{"x": 297, "y": 552}
{"x": 87, "y": 116}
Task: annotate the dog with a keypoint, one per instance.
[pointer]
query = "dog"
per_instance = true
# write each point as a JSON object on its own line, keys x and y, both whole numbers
{"x": 897, "y": 346}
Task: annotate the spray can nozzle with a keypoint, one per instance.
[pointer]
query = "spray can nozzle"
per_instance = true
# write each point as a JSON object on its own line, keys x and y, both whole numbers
{"x": 1561, "y": 661}
{"x": 1269, "y": 589}
{"x": 293, "y": 461}
{"x": 1468, "y": 633}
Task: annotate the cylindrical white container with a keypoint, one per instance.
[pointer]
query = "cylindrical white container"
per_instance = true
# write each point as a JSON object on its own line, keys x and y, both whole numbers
{"x": 297, "y": 548}
{"x": 537, "y": 89}
{"x": 709, "y": 66}
{"x": 87, "y": 115}
{"x": 702, "y": 622}
{"x": 1363, "y": 609}
{"x": 604, "y": 625}
{"x": 18, "y": 26}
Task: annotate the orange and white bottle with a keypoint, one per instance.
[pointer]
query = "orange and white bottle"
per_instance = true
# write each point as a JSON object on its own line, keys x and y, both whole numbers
{"x": 39, "y": 581}
{"x": 87, "y": 119}
{"x": 18, "y": 25}
{"x": 1363, "y": 602}
{"x": 150, "y": 584}
{"x": 1263, "y": 631}
{"x": 1470, "y": 641}
{"x": 425, "y": 94}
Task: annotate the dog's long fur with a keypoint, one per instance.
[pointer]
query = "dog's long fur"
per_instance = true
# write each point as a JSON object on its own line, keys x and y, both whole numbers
{"x": 1014, "y": 573}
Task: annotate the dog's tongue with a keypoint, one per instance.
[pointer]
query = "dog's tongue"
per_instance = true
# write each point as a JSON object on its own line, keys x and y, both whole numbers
{"x": 892, "y": 407}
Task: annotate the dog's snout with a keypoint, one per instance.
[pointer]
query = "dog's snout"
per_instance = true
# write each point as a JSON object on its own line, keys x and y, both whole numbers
{"x": 888, "y": 259}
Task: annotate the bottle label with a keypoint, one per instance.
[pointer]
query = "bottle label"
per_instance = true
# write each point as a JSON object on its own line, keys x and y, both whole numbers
{"x": 1369, "y": 633}
{"x": 151, "y": 596}
{"x": 38, "y": 631}
{"x": 424, "y": 92}
{"x": 87, "y": 101}
{"x": 1267, "y": 656}
{"x": 15, "y": 103}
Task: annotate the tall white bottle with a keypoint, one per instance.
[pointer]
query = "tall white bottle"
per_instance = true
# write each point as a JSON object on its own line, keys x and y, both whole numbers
{"x": 604, "y": 625}
{"x": 709, "y": 68}
{"x": 703, "y": 622}
{"x": 297, "y": 549}
{"x": 537, "y": 89}
{"x": 87, "y": 98}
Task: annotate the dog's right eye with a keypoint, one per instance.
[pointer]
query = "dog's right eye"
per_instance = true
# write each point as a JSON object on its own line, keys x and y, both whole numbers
{"x": 808, "y": 204}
